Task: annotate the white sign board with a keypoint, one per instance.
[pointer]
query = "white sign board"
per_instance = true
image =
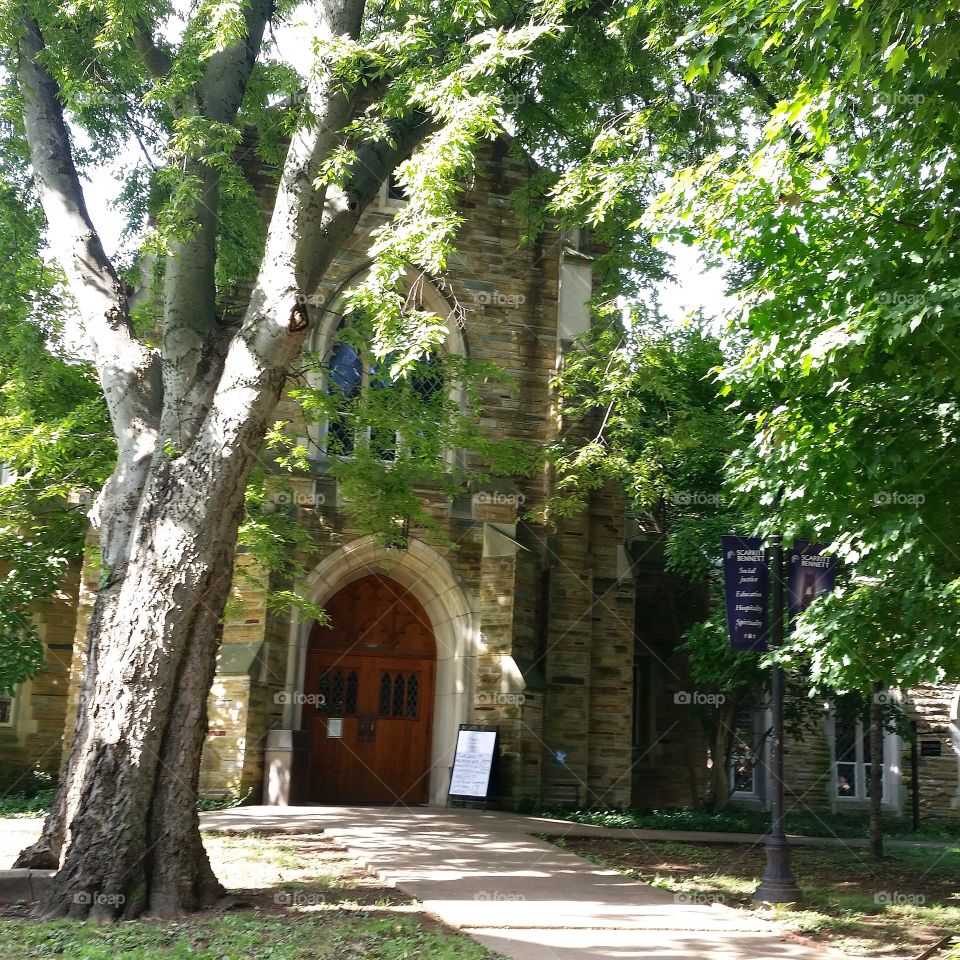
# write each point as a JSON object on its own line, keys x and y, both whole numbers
{"x": 472, "y": 763}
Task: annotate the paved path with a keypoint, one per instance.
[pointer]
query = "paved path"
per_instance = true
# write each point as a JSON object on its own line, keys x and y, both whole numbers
{"x": 484, "y": 873}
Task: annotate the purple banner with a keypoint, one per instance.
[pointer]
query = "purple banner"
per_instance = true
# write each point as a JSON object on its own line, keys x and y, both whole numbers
{"x": 811, "y": 573}
{"x": 746, "y": 586}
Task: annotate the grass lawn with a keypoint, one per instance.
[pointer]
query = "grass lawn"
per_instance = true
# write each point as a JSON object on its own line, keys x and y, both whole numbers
{"x": 890, "y": 910}
{"x": 298, "y": 897}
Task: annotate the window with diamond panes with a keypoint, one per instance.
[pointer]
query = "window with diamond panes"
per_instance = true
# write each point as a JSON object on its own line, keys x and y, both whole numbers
{"x": 398, "y": 691}
{"x": 351, "y": 702}
{"x": 386, "y": 689}
{"x": 337, "y": 694}
{"x": 413, "y": 696}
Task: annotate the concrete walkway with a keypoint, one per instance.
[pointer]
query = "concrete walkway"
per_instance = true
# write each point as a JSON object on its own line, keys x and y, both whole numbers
{"x": 524, "y": 898}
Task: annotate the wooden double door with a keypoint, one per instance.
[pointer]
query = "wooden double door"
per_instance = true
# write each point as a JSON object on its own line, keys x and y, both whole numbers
{"x": 369, "y": 696}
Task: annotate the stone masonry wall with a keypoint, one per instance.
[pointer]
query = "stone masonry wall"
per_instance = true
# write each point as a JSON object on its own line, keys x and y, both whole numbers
{"x": 34, "y": 739}
{"x": 934, "y": 708}
{"x": 612, "y": 653}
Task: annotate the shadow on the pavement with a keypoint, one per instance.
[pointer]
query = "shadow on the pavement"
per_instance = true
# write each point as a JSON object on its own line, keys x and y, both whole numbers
{"x": 484, "y": 861}
{"x": 626, "y": 946}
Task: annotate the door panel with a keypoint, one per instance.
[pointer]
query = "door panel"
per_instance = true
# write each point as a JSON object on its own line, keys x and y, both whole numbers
{"x": 401, "y": 753}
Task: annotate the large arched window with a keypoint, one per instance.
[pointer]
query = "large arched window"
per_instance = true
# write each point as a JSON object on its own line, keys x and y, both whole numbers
{"x": 371, "y": 407}
{"x": 355, "y": 384}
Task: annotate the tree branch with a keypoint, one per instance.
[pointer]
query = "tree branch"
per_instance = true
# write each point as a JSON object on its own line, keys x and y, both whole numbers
{"x": 751, "y": 77}
{"x": 124, "y": 364}
{"x": 308, "y": 228}
{"x": 157, "y": 61}
{"x": 302, "y": 207}
{"x": 225, "y": 78}
{"x": 193, "y": 342}
{"x": 128, "y": 371}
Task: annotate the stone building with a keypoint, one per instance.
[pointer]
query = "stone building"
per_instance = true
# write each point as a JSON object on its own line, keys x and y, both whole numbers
{"x": 565, "y": 639}
{"x": 519, "y": 626}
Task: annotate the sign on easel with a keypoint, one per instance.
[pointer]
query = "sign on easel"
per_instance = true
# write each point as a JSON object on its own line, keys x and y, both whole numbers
{"x": 473, "y": 764}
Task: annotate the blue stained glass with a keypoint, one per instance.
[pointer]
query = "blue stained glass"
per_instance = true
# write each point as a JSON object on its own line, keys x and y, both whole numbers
{"x": 346, "y": 370}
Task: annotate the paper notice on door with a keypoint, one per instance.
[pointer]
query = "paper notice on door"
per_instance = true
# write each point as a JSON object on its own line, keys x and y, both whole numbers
{"x": 334, "y": 728}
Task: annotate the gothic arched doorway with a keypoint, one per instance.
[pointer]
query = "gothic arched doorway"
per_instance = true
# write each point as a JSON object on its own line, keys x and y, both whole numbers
{"x": 369, "y": 705}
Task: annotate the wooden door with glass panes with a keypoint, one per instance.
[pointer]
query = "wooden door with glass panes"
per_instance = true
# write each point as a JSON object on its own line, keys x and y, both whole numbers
{"x": 368, "y": 696}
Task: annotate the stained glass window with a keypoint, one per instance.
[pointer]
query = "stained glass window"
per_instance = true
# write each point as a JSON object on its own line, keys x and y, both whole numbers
{"x": 345, "y": 381}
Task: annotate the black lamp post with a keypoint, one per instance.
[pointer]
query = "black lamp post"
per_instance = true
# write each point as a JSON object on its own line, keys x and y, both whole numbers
{"x": 777, "y": 884}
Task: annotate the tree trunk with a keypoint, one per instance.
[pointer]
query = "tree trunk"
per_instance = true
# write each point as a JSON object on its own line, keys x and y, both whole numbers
{"x": 45, "y": 853}
{"x": 124, "y": 828}
{"x": 189, "y": 420}
{"x": 876, "y": 770}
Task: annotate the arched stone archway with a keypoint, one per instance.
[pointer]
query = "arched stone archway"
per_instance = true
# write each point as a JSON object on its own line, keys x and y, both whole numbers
{"x": 453, "y": 618}
{"x": 331, "y": 311}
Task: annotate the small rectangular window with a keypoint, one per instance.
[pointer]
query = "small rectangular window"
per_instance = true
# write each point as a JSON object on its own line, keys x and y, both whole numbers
{"x": 644, "y": 717}
{"x": 851, "y": 755}
{"x": 744, "y": 778}
{"x": 8, "y": 705}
